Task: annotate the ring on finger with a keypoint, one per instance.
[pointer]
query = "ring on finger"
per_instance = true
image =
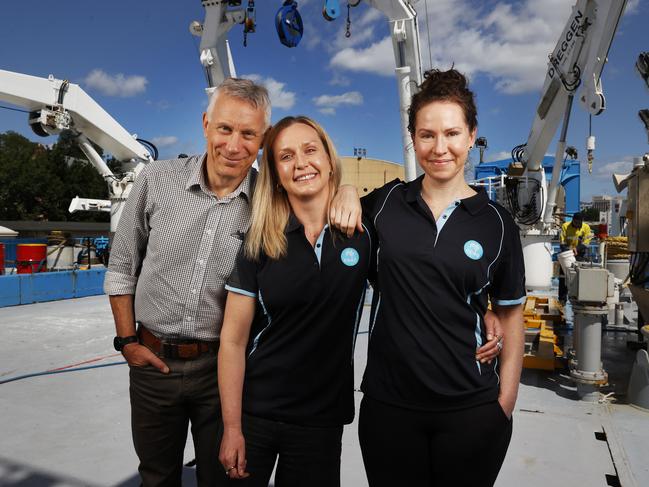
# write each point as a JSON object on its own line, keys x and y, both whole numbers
{"x": 499, "y": 344}
{"x": 227, "y": 471}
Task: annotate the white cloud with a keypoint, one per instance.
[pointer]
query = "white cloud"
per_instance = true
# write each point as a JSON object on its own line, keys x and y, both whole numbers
{"x": 116, "y": 85}
{"x": 632, "y": 7}
{"x": 497, "y": 156}
{"x": 349, "y": 98}
{"x": 279, "y": 96}
{"x": 314, "y": 39}
{"x": 164, "y": 140}
{"x": 606, "y": 171}
{"x": 377, "y": 58}
{"x": 339, "y": 80}
{"x": 160, "y": 105}
{"x": 509, "y": 42}
{"x": 329, "y": 103}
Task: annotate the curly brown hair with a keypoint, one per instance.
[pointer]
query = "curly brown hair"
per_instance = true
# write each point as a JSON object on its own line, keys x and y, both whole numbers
{"x": 451, "y": 86}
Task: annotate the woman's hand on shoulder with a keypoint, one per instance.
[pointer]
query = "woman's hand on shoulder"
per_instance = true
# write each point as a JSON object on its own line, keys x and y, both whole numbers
{"x": 346, "y": 210}
{"x": 233, "y": 453}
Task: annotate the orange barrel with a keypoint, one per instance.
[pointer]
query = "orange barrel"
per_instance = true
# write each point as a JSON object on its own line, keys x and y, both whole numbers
{"x": 2, "y": 258}
{"x": 31, "y": 258}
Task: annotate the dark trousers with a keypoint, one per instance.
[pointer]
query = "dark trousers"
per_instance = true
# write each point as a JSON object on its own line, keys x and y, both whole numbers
{"x": 563, "y": 287}
{"x": 308, "y": 456}
{"x": 162, "y": 406}
{"x": 463, "y": 448}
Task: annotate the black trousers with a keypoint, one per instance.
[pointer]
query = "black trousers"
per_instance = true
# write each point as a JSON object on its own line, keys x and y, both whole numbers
{"x": 162, "y": 406}
{"x": 463, "y": 448}
{"x": 307, "y": 456}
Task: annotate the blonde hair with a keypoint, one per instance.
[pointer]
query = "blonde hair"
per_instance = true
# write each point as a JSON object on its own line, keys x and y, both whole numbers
{"x": 270, "y": 205}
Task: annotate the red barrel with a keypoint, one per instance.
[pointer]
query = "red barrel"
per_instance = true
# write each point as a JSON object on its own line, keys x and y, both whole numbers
{"x": 602, "y": 231}
{"x": 2, "y": 258}
{"x": 31, "y": 258}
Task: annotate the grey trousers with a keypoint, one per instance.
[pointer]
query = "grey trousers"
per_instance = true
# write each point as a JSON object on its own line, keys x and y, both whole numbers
{"x": 162, "y": 406}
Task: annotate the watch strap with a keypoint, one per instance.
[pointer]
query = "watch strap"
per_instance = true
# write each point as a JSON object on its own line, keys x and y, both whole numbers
{"x": 120, "y": 342}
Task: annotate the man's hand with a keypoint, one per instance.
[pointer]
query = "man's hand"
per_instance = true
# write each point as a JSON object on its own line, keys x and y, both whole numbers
{"x": 493, "y": 347}
{"x": 346, "y": 210}
{"x": 233, "y": 453}
{"x": 138, "y": 356}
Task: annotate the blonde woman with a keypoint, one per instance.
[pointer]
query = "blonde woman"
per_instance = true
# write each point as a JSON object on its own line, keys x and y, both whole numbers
{"x": 286, "y": 355}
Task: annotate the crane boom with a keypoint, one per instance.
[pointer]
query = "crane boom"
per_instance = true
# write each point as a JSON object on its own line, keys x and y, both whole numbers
{"x": 57, "y": 105}
{"x": 84, "y": 114}
{"x": 404, "y": 33}
{"x": 577, "y": 59}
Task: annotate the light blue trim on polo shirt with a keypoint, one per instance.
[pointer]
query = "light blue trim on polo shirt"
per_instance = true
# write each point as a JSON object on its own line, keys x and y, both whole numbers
{"x": 510, "y": 302}
{"x": 478, "y": 328}
{"x": 357, "y": 321}
{"x": 496, "y": 370}
{"x": 376, "y": 314}
{"x": 318, "y": 244}
{"x": 255, "y": 340}
{"x": 240, "y": 291}
{"x": 441, "y": 221}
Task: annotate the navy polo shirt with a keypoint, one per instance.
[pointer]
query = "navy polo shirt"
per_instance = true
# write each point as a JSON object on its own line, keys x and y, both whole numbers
{"x": 434, "y": 282}
{"x": 299, "y": 366}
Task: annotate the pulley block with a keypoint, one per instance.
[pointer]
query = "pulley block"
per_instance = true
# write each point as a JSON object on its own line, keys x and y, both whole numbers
{"x": 331, "y": 10}
{"x": 288, "y": 23}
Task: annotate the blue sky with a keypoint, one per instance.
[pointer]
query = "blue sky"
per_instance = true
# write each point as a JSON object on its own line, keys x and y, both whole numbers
{"x": 139, "y": 61}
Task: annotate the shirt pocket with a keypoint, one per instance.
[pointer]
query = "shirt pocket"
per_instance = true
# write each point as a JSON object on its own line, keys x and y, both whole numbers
{"x": 226, "y": 255}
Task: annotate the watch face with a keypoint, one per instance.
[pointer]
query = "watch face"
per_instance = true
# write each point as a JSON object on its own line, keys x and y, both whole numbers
{"x": 117, "y": 344}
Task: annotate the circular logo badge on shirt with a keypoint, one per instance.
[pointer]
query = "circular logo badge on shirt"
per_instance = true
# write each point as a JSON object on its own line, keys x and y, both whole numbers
{"x": 473, "y": 249}
{"x": 349, "y": 257}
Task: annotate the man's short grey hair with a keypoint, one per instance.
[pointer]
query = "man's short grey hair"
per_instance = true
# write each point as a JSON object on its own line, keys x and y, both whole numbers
{"x": 246, "y": 90}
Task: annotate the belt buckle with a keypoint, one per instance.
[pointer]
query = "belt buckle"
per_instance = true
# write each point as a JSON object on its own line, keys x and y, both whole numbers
{"x": 169, "y": 350}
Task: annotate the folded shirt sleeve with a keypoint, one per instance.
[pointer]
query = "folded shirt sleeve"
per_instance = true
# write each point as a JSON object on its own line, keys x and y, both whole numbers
{"x": 129, "y": 244}
{"x": 508, "y": 283}
{"x": 243, "y": 279}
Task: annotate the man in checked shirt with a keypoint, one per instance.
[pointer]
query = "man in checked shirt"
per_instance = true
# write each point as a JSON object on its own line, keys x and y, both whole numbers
{"x": 174, "y": 248}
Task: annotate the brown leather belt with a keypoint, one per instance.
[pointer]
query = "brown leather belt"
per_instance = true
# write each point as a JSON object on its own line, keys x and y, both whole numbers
{"x": 180, "y": 349}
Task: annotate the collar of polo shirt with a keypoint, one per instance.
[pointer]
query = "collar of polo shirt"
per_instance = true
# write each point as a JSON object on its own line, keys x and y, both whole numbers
{"x": 473, "y": 204}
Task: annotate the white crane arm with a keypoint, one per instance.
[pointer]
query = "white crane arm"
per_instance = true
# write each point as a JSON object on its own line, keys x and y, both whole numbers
{"x": 73, "y": 109}
{"x": 215, "y": 55}
{"x": 592, "y": 96}
{"x": 404, "y": 32}
{"x": 579, "y": 56}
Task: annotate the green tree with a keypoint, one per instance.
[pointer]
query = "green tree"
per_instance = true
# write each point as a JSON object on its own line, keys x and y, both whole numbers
{"x": 37, "y": 183}
{"x": 590, "y": 214}
{"x": 79, "y": 176}
{"x": 29, "y": 188}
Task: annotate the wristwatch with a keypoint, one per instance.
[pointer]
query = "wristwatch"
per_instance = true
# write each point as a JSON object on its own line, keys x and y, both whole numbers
{"x": 120, "y": 342}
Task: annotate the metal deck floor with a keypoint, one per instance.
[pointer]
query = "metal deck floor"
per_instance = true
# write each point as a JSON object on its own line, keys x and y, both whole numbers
{"x": 72, "y": 429}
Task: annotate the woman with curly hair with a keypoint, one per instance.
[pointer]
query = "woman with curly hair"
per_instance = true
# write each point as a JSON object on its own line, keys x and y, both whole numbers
{"x": 433, "y": 415}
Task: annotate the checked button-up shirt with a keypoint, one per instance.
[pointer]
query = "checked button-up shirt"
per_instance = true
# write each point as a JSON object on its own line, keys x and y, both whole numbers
{"x": 175, "y": 246}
